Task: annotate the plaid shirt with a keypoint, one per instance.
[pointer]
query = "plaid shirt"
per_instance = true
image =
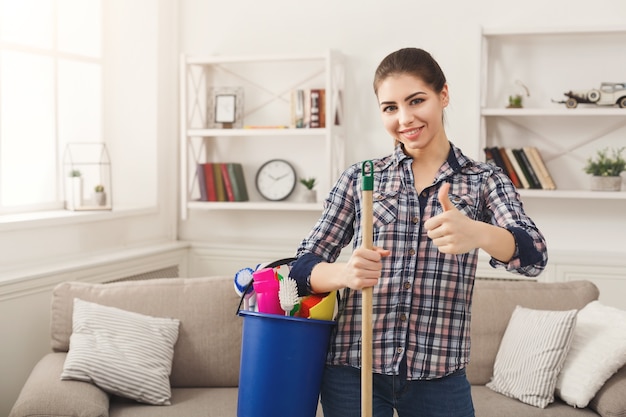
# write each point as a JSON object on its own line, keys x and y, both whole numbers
{"x": 422, "y": 302}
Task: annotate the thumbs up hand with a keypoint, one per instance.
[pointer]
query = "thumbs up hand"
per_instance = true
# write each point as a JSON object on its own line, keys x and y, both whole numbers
{"x": 444, "y": 197}
{"x": 451, "y": 231}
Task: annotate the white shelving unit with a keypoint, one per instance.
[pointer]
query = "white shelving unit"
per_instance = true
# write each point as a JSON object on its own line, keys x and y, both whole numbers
{"x": 267, "y": 83}
{"x": 551, "y": 62}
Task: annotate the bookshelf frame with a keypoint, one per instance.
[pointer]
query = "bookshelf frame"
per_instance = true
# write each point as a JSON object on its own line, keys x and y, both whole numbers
{"x": 267, "y": 82}
{"x": 565, "y": 137}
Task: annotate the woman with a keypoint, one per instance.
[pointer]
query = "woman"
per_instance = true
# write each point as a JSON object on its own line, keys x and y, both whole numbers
{"x": 433, "y": 209}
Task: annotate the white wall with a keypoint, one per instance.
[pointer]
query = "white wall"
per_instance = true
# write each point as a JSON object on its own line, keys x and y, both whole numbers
{"x": 141, "y": 87}
{"x": 365, "y": 31}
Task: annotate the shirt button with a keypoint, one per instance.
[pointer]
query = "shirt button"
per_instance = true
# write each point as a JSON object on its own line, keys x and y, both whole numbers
{"x": 400, "y": 350}
{"x": 415, "y": 220}
{"x": 411, "y": 252}
{"x": 407, "y": 285}
{"x": 402, "y": 317}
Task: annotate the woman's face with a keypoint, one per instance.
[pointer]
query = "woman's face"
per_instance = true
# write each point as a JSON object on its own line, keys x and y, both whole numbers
{"x": 412, "y": 112}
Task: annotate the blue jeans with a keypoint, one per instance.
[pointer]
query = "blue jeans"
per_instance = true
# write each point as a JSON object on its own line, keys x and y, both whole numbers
{"x": 449, "y": 396}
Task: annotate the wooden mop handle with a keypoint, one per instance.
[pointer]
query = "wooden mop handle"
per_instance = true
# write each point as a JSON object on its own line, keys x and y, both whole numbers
{"x": 367, "y": 217}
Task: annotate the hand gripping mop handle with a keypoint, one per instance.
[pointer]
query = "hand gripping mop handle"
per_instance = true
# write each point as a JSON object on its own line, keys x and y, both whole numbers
{"x": 367, "y": 217}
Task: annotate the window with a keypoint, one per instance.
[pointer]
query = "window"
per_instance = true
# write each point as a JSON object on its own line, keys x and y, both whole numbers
{"x": 50, "y": 95}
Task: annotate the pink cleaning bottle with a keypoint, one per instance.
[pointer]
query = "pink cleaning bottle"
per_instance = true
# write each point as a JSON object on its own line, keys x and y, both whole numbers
{"x": 266, "y": 287}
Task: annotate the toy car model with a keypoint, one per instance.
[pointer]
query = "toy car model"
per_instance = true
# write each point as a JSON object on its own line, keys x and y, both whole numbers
{"x": 609, "y": 94}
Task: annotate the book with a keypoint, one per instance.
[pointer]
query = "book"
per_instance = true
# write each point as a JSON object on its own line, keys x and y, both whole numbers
{"x": 489, "y": 156}
{"x": 228, "y": 186}
{"x": 524, "y": 164}
{"x": 235, "y": 172}
{"x": 220, "y": 189}
{"x": 322, "y": 107}
{"x": 339, "y": 108}
{"x": 315, "y": 108}
{"x": 497, "y": 158}
{"x": 547, "y": 182}
{"x": 201, "y": 182}
{"x": 510, "y": 168}
{"x": 297, "y": 108}
{"x": 209, "y": 177}
{"x": 517, "y": 168}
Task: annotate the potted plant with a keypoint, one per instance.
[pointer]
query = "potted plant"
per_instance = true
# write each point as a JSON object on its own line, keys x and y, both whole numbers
{"x": 310, "y": 196}
{"x": 99, "y": 196}
{"x": 605, "y": 169}
{"x": 74, "y": 190}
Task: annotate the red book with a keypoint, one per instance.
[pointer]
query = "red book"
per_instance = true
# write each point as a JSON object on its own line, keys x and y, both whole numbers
{"x": 510, "y": 169}
{"x": 210, "y": 182}
{"x": 230, "y": 195}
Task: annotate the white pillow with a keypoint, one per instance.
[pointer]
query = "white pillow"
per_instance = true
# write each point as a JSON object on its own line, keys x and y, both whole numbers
{"x": 598, "y": 351}
{"x": 122, "y": 352}
{"x": 531, "y": 354}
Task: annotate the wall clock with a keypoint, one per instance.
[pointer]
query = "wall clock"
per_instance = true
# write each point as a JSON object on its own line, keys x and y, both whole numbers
{"x": 275, "y": 180}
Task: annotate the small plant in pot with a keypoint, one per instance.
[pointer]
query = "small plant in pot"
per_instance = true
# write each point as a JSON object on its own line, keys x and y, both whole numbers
{"x": 311, "y": 195}
{"x": 99, "y": 196}
{"x": 74, "y": 190}
{"x": 606, "y": 168}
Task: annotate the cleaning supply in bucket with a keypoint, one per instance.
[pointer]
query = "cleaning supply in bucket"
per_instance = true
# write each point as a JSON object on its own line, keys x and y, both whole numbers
{"x": 243, "y": 279}
{"x": 288, "y": 295}
{"x": 266, "y": 287}
{"x": 325, "y": 308}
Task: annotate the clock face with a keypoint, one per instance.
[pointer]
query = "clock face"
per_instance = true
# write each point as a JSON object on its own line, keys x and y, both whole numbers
{"x": 276, "y": 180}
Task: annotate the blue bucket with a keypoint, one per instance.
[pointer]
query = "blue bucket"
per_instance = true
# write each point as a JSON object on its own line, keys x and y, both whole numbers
{"x": 282, "y": 362}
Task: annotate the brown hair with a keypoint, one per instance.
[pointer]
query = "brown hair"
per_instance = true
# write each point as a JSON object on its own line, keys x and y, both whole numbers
{"x": 412, "y": 61}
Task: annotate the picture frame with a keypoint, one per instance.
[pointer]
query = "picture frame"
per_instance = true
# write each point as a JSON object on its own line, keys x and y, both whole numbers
{"x": 225, "y": 108}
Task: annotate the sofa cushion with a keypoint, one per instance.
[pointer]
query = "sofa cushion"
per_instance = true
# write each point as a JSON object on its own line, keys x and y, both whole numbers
{"x": 598, "y": 351}
{"x": 59, "y": 398}
{"x": 532, "y": 353}
{"x": 206, "y": 402}
{"x": 493, "y": 304}
{"x": 122, "y": 352}
{"x": 610, "y": 401}
{"x": 488, "y": 403}
{"x": 208, "y": 349}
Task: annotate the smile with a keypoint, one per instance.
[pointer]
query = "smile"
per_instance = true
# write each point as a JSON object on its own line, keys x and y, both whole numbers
{"x": 410, "y": 132}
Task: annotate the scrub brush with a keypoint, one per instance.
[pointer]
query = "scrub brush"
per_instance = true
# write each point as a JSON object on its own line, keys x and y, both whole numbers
{"x": 288, "y": 295}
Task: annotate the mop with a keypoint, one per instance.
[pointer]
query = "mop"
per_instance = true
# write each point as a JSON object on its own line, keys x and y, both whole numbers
{"x": 367, "y": 293}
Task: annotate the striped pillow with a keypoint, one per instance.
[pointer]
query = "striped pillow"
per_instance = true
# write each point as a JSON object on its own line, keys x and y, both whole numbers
{"x": 122, "y": 352}
{"x": 531, "y": 354}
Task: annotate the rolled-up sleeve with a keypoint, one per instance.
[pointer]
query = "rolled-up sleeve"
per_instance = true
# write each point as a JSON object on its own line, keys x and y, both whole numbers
{"x": 503, "y": 201}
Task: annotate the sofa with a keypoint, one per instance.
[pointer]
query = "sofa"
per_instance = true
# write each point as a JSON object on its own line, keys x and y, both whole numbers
{"x": 205, "y": 364}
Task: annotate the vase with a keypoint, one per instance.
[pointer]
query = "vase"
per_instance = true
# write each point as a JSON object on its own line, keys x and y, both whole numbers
{"x": 74, "y": 193}
{"x": 309, "y": 196}
{"x": 100, "y": 198}
{"x": 600, "y": 183}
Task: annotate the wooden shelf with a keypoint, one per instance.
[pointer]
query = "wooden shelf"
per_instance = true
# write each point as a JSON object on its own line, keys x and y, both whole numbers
{"x": 254, "y": 205}
{"x": 574, "y": 194}
{"x": 255, "y": 132}
{"x": 565, "y": 112}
